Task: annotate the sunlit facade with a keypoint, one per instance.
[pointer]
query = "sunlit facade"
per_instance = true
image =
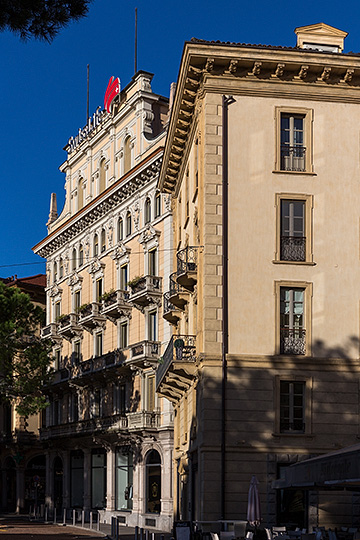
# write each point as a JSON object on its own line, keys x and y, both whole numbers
{"x": 108, "y": 435}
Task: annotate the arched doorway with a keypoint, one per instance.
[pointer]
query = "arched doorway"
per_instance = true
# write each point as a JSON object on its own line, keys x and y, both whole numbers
{"x": 153, "y": 482}
{"x": 58, "y": 483}
{"x": 35, "y": 482}
{"x": 10, "y": 484}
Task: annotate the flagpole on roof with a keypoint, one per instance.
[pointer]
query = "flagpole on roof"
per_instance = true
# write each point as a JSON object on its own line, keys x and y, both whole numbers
{"x": 135, "y": 41}
{"x": 87, "y": 94}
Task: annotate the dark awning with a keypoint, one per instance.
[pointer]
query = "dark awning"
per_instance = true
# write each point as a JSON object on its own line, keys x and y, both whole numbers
{"x": 336, "y": 470}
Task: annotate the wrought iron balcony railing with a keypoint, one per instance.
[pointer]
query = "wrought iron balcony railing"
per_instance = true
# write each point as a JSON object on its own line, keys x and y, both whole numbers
{"x": 293, "y": 248}
{"x": 292, "y": 158}
{"x": 180, "y": 349}
{"x": 187, "y": 264}
{"x": 114, "y": 422}
{"x": 179, "y": 296}
{"x": 170, "y": 312}
{"x": 292, "y": 341}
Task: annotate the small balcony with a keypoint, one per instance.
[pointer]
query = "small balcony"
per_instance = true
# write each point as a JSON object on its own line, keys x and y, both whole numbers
{"x": 51, "y": 332}
{"x": 90, "y": 316}
{"x": 143, "y": 420}
{"x": 292, "y": 158}
{"x": 69, "y": 327}
{"x": 293, "y": 248}
{"x": 146, "y": 290}
{"x": 177, "y": 368}
{"x": 178, "y": 295}
{"x": 98, "y": 367}
{"x": 145, "y": 353}
{"x": 170, "y": 312}
{"x": 187, "y": 264}
{"x": 82, "y": 427}
{"x": 293, "y": 341}
{"x": 116, "y": 305}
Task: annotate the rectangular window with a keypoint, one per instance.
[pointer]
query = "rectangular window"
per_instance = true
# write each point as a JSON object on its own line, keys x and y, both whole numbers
{"x": 292, "y": 241}
{"x": 77, "y": 301}
{"x": 77, "y": 351}
{"x": 98, "y": 478}
{"x": 292, "y": 142}
{"x": 96, "y": 403}
{"x": 119, "y": 399}
{"x": 124, "y": 480}
{"x": 124, "y": 277}
{"x": 292, "y": 406}
{"x": 292, "y": 330}
{"x": 152, "y": 326}
{"x": 57, "y": 311}
{"x": 99, "y": 289}
{"x": 153, "y": 262}
{"x": 98, "y": 344}
{"x": 294, "y": 228}
{"x": 293, "y": 139}
{"x": 157, "y": 205}
{"x": 57, "y": 359}
{"x": 123, "y": 335}
{"x": 150, "y": 395}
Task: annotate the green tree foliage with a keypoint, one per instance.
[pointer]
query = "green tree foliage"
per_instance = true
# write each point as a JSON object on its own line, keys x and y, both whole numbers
{"x": 24, "y": 357}
{"x": 41, "y": 19}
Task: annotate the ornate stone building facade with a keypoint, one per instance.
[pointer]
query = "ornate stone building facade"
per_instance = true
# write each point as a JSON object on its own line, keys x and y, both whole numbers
{"x": 262, "y": 164}
{"x": 108, "y": 435}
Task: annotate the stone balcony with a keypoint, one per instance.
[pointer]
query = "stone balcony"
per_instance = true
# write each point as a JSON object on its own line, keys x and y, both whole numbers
{"x": 90, "y": 316}
{"x": 144, "y": 354}
{"x": 85, "y": 427}
{"x": 146, "y": 291}
{"x": 116, "y": 305}
{"x": 51, "y": 332}
{"x": 143, "y": 420}
{"x": 177, "y": 369}
{"x": 187, "y": 265}
{"x": 69, "y": 326}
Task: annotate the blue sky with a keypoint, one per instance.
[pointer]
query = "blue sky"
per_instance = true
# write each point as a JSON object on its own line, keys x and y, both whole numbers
{"x": 43, "y": 87}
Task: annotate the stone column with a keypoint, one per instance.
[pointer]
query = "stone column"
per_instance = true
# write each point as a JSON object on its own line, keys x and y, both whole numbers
{"x": 110, "y": 480}
{"x": 20, "y": 488}
{"x": 87, "y": 479}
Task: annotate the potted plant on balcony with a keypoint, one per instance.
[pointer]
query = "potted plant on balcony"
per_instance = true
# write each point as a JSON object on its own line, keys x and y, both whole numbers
{"x": 134, "y": 281}
{"x": 106, "y": 295}
{"x": 61, "y": 318}
{"x": 83, "y": 309}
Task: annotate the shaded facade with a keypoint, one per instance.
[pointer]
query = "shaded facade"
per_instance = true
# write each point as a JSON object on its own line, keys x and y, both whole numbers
{"x": 262, "y": 165}
{"x": 108, "y": 436}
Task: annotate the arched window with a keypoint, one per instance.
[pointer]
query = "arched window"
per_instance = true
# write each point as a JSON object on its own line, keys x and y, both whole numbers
{"x": 128, "y": 224}
{"x": 55, "y": 272}
{"x": 127, "y": 154}
{"x": 61, "y": 270}
{"x": 81, "y": 256}
{"x": 147, "y": 211}
{"x": 153, "y": 482}
{"x": 103, "y": 241}
{"x": 81, "y": 194}
{"x": 157, "y": 204}
{"x": 96, "y": 246}
{"x": 102, "y": 173}
{"x": 120, "y": 229}
{"x": 73, "y": 259}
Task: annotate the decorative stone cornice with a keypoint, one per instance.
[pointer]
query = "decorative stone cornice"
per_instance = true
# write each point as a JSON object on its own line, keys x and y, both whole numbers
{"x": 118, "y": 193}
{"x": 260, "y": 71}
{"x": 148, "y": 234}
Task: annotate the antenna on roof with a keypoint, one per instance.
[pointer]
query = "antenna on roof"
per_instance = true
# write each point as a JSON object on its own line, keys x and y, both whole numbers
{"x": 87, "y": 94}
{"x": 135, "y": 41}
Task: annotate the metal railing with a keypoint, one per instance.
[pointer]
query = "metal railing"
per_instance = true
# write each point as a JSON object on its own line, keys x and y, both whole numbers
{"x": 168, "y": 306}
{"x": 293, "y": 341}
{"x": 187, "y": 260}
{"x": 90, "y": 425}
{"x": 293, "y": 248}
{"x": 292, "y": 158}
{"x": 181, "y": 348}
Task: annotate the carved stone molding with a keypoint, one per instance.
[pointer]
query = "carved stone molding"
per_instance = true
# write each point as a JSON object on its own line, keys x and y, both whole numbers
{"x": 209, "y": 66}
{"x": 54, "y": 291}
{"x": 233, "y": 65}
{"x": 74, "y": 279}
{"x": 349, "y": 75}
{"x": 303, "y": 72}
{"x": 325, "y": 76}
{"x": 148, "y": 234}
{"x": 279, "y": 72}
{"x": 120, "y": 253}
{"x": 95, "y": 266}
{"x": 256, "y": 70}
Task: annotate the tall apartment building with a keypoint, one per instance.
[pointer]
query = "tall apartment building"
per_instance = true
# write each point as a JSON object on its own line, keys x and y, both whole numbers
{"x": 21, "y": 453}
{"x": 108, "y": 437}
{"x": 262, "y": 164}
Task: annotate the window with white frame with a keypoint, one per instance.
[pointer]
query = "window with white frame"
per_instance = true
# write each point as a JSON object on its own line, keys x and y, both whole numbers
{"x": 57, "y": 310}
{"x": 293, "y": 240}
{"x": 81, "y": 255}
{"x": 103, "y": 241}
{"x": 119, "y": 398}
{"x": 77, "y": 351}
{"x": 152, "y": 262}
{"x": 57, "y": 359}
{"x": 120, "y": 235}
{"x": 96, "y": 246}
{"x": 128, "y": 224}
{"x": 99, "y": 285}
{"x": 76, "y": 301}
{"x": 123, "y": 334}
{"x": 152, "y": 325}
{"x": 73, "y": 260}
{"x": 147, "y": 211}
{"x": 292, "y": 327}
{"x": 293, "y": 139}
{"x": 124, "y": 277}
{"x": 157, "y": 205}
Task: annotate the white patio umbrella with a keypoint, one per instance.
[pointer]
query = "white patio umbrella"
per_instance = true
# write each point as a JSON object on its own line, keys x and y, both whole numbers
{"x": 253, "y": 509}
